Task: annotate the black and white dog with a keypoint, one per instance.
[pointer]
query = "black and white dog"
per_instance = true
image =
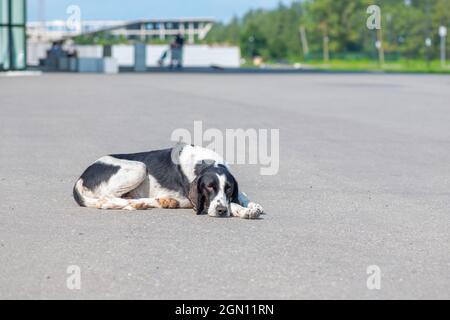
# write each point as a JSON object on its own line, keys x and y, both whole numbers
{"x": 181, "y": 177}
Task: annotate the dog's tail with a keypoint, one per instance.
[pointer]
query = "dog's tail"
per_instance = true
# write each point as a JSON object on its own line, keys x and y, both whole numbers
{"x": 110, "y": 203}
{"x": 78, "y": 194}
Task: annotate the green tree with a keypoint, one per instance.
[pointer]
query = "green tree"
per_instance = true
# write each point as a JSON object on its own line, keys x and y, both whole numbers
{"x": 405, "y": 26}
{"x": 253, "y": 41}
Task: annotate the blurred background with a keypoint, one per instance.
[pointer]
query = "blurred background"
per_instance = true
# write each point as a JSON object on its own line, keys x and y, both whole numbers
{"x": 308, "y": 34}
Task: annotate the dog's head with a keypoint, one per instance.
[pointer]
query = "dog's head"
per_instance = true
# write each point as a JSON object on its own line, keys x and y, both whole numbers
{"x": 213, "y": 190}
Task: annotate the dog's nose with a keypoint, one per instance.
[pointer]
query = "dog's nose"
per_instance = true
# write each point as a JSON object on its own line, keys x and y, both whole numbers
{"x": 221, "y": 210}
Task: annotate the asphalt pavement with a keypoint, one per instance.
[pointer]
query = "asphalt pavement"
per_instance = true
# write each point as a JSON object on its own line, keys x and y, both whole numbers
{"x": 363, "y": 180}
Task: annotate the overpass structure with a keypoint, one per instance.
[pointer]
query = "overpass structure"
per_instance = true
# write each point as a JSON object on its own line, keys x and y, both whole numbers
{"x": 190, "y": 28}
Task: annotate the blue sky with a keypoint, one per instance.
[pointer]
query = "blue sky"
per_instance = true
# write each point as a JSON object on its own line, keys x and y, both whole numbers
{"x": 135, "y": 9}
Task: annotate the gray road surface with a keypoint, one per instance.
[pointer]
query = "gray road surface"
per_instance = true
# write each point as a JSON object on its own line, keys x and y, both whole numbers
{"x": 364, "y": 180}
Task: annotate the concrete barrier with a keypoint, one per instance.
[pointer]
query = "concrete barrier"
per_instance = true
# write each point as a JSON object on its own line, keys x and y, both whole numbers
{"x": 73, "y": 64}
{"x": 110, "y": 65}
{"x": 140, "y": 53}
{"x": 97, "y": 65}
{"x": 124, "y": 55}
{"x": 88, "y": 65}
{"x": 193, "y": 56}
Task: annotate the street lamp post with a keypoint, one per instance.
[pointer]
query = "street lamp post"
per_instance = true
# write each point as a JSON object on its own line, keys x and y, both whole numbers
{"x": 379, "y": 45}
{"x": 326, "y": 50}
{"x": 428, "y": 41}
{"x": 326, "y": 41}
{"x": 428, "y": 44}
{"x": 443, "y": 35}
{"x": 251, "y": 47}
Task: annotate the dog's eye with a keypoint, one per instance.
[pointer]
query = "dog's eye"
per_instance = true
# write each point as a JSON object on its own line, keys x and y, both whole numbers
{"x": 210, "y": 187}
{"x": 227, "y": 188}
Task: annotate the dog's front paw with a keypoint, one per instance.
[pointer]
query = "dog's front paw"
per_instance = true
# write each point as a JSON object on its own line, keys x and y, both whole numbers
{"x": 251, "y": 212}
{"x": 256, "y": 207}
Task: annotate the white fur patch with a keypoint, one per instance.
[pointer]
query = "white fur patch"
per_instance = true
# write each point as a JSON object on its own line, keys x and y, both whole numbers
{"x": 253, "y": 211}
{"x": 220, "y": 199}
{"x": 191, "y": 156}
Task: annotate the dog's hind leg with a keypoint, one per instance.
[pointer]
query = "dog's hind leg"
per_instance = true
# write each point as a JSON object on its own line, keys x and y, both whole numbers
{"x": 104, "y": 184}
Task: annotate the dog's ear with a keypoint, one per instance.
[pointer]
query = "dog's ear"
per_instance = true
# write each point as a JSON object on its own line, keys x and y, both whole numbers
{"x": 196, "y": 196}
{"x": 235, "y": 194}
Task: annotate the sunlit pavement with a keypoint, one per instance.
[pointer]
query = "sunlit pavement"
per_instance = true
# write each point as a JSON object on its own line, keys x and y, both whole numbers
{"x": 363, "y": 180}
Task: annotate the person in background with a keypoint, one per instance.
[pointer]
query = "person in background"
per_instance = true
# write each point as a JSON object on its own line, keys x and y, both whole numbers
{"x": 56, "y": 50}
{"x": 53, "y": 55}
{"x": 176, "y": 49}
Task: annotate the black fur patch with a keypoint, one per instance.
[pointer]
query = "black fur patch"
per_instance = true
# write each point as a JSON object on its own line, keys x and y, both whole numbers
{"x": 98, "y": 173}
{"x": 160, "y": 165}
{"x": 202, "y": 166}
